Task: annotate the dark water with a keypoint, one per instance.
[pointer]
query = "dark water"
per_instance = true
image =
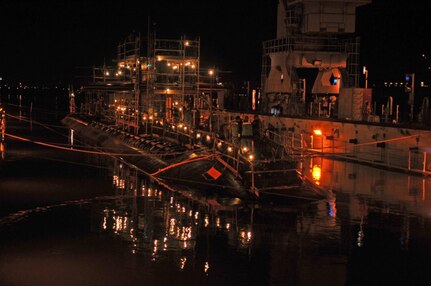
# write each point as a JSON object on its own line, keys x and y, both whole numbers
{"x": 77, "y": 219}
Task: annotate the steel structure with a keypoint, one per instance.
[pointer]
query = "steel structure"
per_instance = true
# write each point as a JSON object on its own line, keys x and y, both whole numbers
{"x": 311, "y": 34}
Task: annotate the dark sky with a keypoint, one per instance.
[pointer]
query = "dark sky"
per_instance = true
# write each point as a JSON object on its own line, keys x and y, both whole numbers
{"x": 48, "y": 40}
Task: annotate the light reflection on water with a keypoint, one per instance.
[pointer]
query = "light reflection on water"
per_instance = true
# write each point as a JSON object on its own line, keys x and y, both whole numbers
{"x": 372, "y": 229}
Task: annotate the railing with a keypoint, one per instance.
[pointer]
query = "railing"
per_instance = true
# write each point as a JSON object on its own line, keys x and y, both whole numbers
{"x": 377, "y": 153}
{"x": 304, "y": 43}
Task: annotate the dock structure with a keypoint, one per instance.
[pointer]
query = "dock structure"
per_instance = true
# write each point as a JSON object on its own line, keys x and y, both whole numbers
{"x": 315, "y": 53}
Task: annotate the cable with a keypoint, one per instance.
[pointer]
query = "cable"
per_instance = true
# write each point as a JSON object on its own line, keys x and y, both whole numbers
{"x": 68, "y": 149}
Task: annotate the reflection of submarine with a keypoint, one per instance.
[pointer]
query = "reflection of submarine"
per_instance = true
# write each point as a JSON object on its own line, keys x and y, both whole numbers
{"x": 158, "y": 223}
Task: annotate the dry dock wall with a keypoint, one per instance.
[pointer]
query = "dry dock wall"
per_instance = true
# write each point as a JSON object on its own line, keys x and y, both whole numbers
{"x": 373, "y": 143}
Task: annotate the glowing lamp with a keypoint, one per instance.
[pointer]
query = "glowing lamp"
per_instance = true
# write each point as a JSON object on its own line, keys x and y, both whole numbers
{"x": 317, "y": 172}
{"x": 317, "y": 132}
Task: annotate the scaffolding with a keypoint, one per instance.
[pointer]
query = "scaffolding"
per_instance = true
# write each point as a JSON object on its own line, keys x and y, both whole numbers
{"x": 138, "y": 90}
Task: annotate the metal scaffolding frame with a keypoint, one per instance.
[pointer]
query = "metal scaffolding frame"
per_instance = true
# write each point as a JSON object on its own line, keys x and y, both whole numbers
{"x": 165, "y": 84}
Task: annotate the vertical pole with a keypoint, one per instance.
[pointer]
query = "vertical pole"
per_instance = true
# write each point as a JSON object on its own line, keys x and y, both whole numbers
{"x": 366, "y": 78}
{"x": 292, "y": 144}
{"x": 412, "y": 98}
{"x": 252, "y": 177}
{"x": 397, "y": 113}
{"x": 321, "y": 136}
{"x": 410, "y": 160}
{"x": 424, "y": 162}
{"x": 302, "y": 141}
{"x": 329, "y": 110}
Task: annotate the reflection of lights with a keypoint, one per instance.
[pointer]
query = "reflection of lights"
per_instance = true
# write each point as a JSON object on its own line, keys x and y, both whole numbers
{"x": 245, "y": 237}
{"x": 125, "y": 222}
{"x": 208, "y": 138}
{"x": 121, "y": 184}
{"x": 183, "y": 261}
{"x": 316, "y": 173}
{"x": 115, "y": 180}
{"x": 218, "y": 222}
{"x": 118, "y": 225}
{"x": 104, "y": 223}
{"x": 229, "y": 149}
{"x": 186, "y": 233}
{"x": 206, "y": 267}
{"x": 172, "y": 224}
{"x": 196, "y": 215}
{"x": 332, "y": 208}
{"x": 360, "y": 238}
{"x": 207, "y": 221}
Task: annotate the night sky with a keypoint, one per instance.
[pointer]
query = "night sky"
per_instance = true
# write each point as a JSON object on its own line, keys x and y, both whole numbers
{"x": 50, "y": 41}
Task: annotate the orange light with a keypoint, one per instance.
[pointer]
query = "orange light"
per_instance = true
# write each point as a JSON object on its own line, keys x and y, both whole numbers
{"x": 317, "y": 173}
{"x": 317, "y": 132}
